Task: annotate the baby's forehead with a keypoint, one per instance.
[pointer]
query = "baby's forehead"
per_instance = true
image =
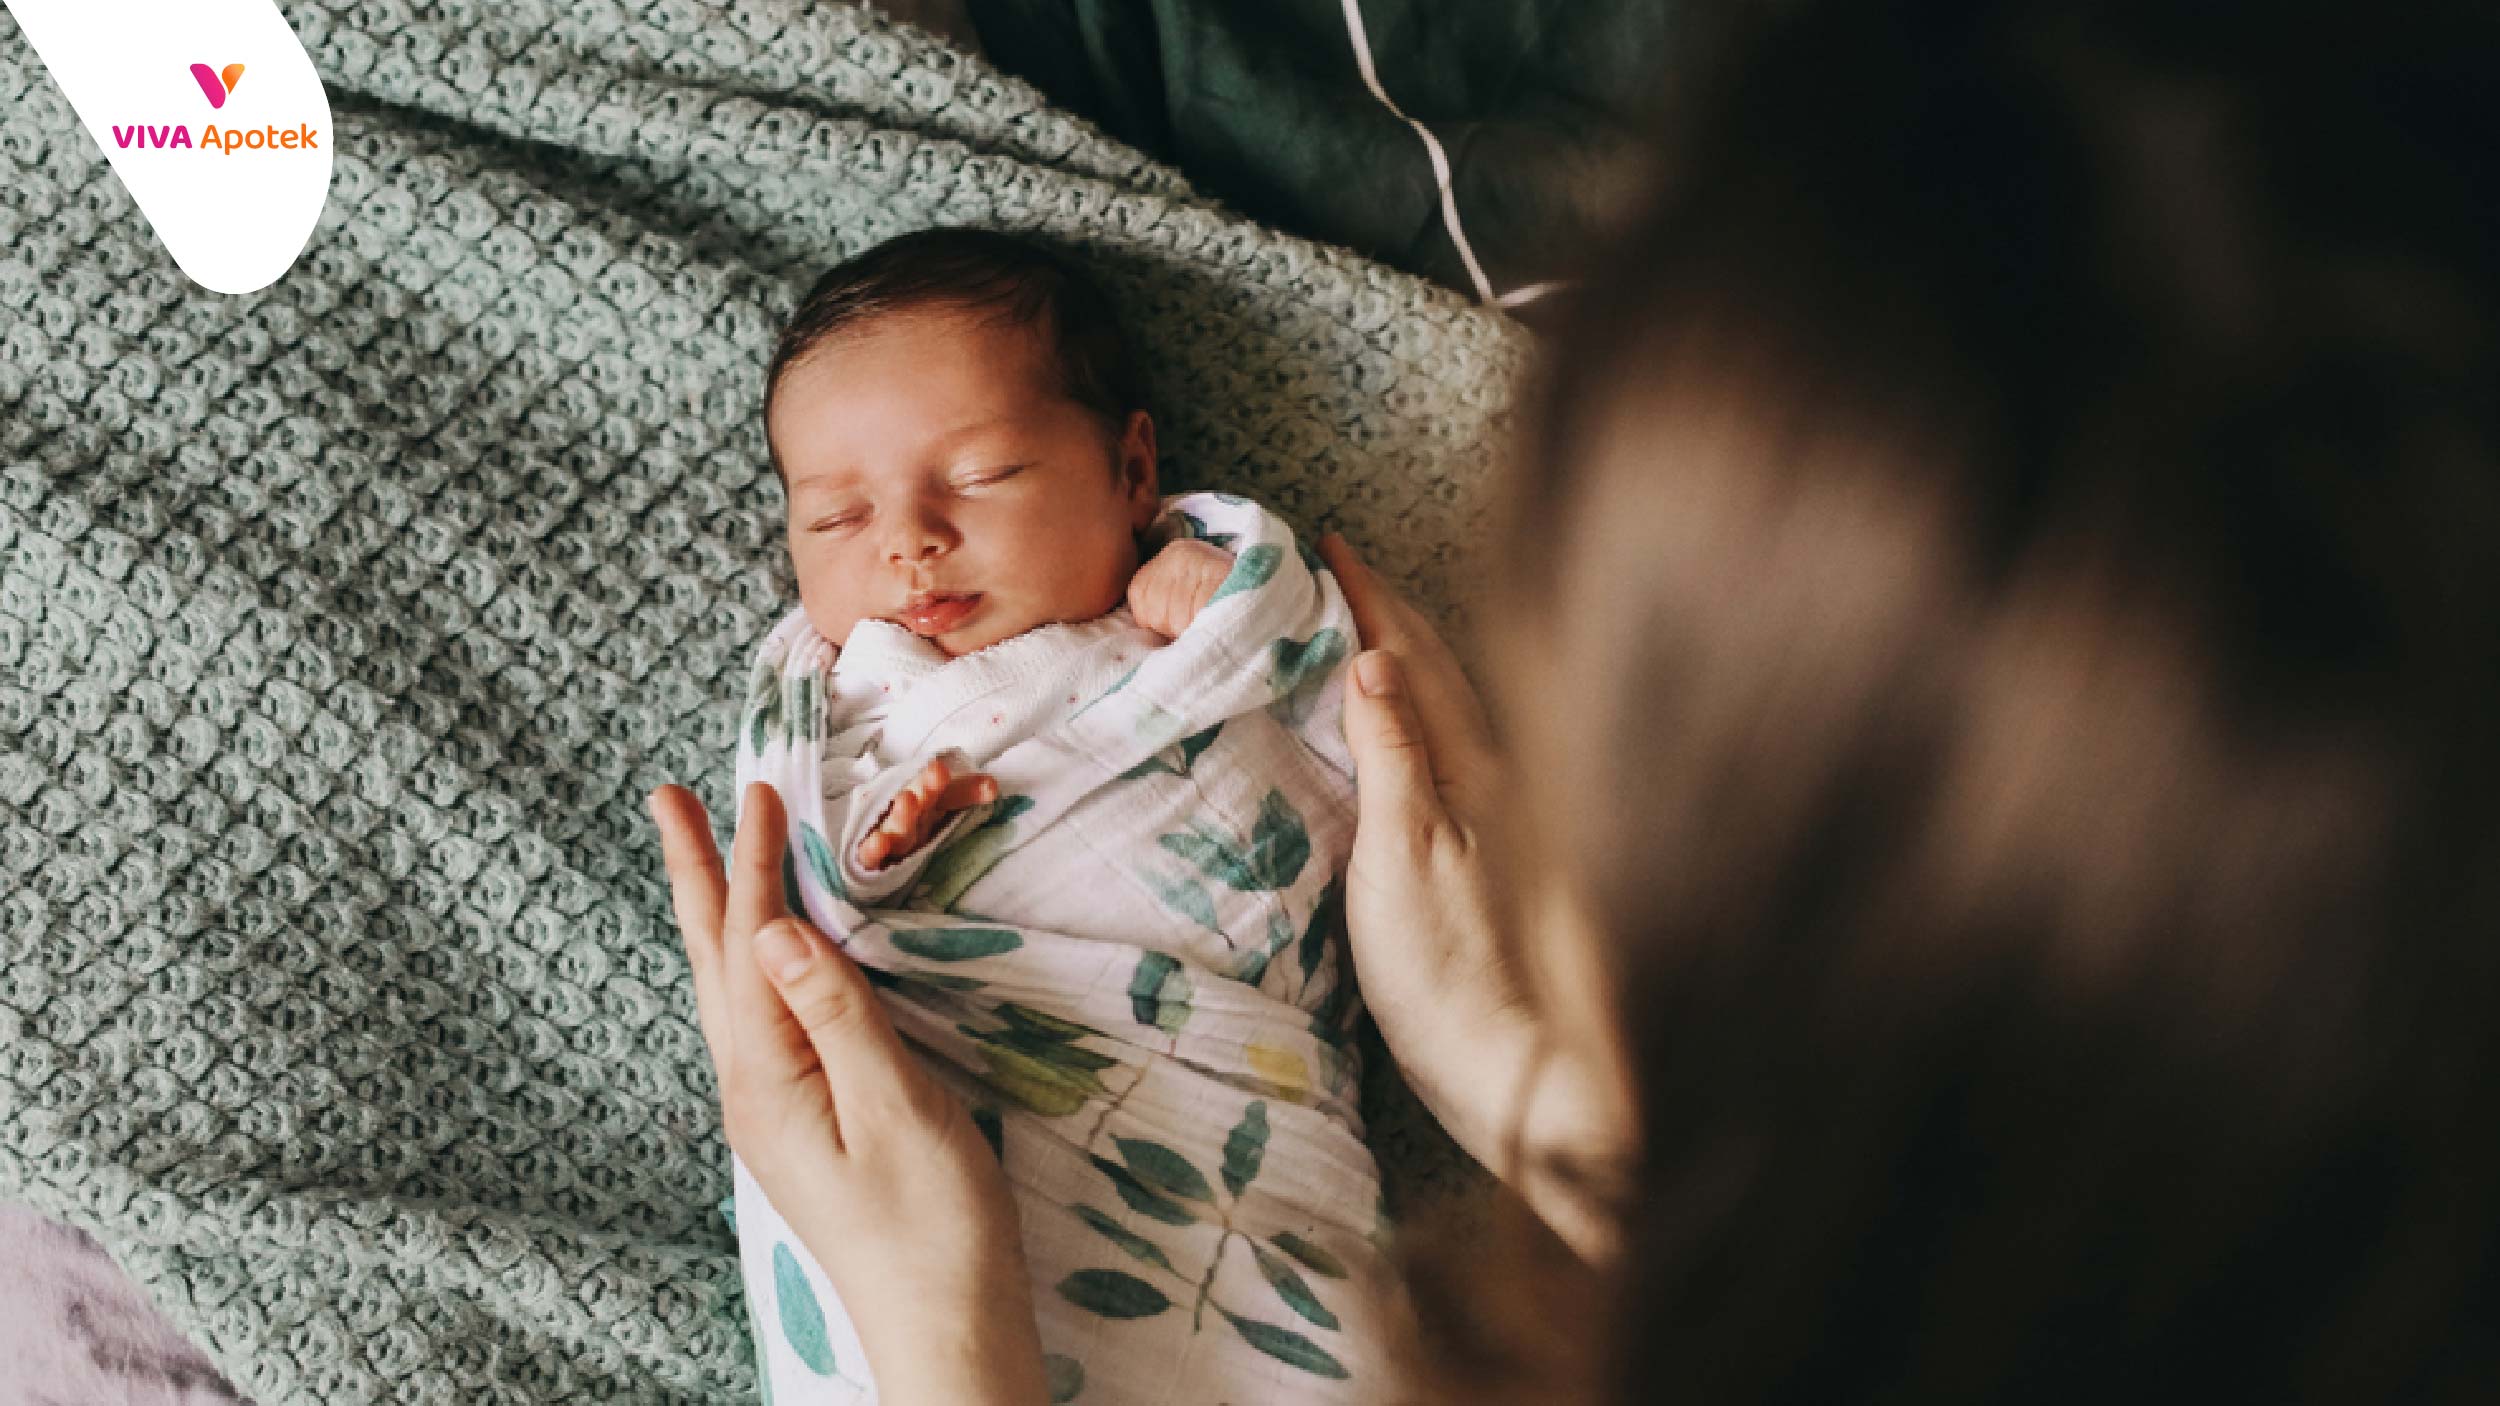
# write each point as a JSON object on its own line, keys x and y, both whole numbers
{"x": 905, "y": 384}
{"x": 991, "y": 359}
{"x": 992, "y": 338}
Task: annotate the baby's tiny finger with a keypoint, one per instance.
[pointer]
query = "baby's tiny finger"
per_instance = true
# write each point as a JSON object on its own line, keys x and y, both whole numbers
{"x": 973, "y": 790}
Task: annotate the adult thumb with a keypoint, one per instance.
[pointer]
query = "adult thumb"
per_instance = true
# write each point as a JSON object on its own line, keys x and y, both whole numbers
{"x": 1394, "y": 790}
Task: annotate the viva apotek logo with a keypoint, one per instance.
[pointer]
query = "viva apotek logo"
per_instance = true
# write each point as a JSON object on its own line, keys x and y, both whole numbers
{"x": 218, "y": 85}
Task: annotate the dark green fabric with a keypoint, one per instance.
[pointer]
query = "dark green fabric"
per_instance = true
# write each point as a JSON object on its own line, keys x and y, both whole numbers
{"x": 1542, "y": 106}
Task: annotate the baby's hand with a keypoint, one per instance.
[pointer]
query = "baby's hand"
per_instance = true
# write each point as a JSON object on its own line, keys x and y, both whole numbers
{"x": 1176, "y": 583}
{"x": 920, "y": 808}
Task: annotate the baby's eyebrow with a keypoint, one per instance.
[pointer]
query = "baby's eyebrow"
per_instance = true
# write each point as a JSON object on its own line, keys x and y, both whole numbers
{"x": 824, "y": 478}
{"x": 846, "y": 477}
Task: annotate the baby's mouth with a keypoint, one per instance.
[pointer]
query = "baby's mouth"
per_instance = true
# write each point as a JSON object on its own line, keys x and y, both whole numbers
{"x": 939, "y": 613}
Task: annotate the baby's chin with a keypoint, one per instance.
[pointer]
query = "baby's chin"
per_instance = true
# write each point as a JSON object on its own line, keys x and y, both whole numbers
{"x": 977, "y": 634}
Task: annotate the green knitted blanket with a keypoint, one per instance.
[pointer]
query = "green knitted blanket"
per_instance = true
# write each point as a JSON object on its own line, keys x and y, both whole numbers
{"x": 344, "y": 626}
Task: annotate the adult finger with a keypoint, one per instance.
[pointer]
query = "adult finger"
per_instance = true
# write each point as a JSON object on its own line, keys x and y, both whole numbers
{"x": 754, "y": 900}
{"x": 1396, "y": 797}
{"x": 1444, "y": 703}
{"x": 854, "y": 1041}
{"x": 698, "y": 892}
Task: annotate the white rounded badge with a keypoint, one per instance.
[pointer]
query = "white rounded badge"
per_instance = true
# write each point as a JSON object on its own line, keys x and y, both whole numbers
{"x": 209, "y": 113}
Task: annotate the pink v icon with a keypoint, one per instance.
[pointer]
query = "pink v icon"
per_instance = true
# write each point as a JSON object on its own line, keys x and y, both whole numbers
{"x": 218, "y": 86}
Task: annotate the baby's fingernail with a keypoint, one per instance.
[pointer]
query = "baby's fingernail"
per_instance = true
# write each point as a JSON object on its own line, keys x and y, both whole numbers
{"x": 1372, "y": 672}
{"x": 784, "y": 950}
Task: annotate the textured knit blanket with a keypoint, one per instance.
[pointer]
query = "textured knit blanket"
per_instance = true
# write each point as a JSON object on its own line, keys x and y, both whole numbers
{"x": 1127, "y": 965}
{"x": 344, "y": 626}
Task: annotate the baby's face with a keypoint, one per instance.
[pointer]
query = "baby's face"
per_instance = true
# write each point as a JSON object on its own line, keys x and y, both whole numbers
{"x": 929, "y": 454}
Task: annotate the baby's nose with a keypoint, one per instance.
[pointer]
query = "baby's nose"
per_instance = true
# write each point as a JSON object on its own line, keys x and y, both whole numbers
{"x": 919, "y": 537}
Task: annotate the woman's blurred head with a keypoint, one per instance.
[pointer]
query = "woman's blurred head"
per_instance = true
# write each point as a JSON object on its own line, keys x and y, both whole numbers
{"x": 2020, "y": 522}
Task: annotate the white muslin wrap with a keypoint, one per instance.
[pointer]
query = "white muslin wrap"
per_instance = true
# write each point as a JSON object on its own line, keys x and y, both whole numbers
{"x": 1129, "y": 965}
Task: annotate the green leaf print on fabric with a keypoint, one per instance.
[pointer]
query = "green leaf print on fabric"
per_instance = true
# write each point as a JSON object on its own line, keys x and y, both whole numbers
{"x": 1315, "y": 933}
{"x": 1141, "y": 1198}
{"x": 1286, "y": 1346}
{"x": 1157, "y": 727}
{"x": 1034, "y": 1084}
{"x": 1279, "y": 935}
{"x": 820, "y": 865}
{"x": 1164, "y": 1170}
{"x": 1296, "y": 667}
{"x": 1251, "y": 571}
{"x": 1113, "y": 1294}
{"x": 804, "y": 711}
{"x": 1186, "y": 750}
{"x": 1243, "y": 1148}
{"x": 1065, "y": 1377}
{"x": 1042, "y": 1023}
{"x": 1050, "y": 1050}
{"x": 956, "y": 944}
{"x": 1158, "y": 993}
{"x": 1193, "y": 526}
{"x": 973, "y": 853}
{"x": 1293, "y": 662}
{"x": 1279, "y": 845}
{"x": 802, "y": 1319}
{"x": 763, "y": 703}
{"x": 1308, "y": 1255}
{"x": 1120, "y": 1235}
{"x": 1196, "y": 743}
{"x": 1042, "y": 1036}
{"x": 1213, "y": 854}
{"x": 1185, "y": 898}
{"x": 1291, "y": 1287}
{"x": 993, "y": 1131}
{"x": 1253, "y": 967}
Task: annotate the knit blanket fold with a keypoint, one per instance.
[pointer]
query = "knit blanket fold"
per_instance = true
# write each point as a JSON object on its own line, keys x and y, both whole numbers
{"x": 344, "y": 626}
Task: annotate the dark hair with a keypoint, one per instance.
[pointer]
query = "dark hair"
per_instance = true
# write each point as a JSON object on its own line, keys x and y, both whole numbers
{"x": 2023, "y": 515}
{"x": 1021, "y": 277}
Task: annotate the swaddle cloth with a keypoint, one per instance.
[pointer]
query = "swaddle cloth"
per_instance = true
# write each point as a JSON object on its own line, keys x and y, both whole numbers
{"x": 1127, "y": 965}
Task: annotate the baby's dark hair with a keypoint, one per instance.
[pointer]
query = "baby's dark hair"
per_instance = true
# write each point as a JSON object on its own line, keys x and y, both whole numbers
{"x": 1021, "y": 277}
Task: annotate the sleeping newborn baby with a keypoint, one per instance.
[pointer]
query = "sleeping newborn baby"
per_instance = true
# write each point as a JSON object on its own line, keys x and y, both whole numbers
{"x": 1066, "y": 773}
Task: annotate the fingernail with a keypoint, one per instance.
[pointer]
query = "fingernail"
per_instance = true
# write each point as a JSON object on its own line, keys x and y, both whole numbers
{"x": 1372, "y": 672}
{"x": 784, "y": 950}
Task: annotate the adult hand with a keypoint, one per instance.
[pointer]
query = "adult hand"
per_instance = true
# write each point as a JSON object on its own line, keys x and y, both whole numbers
{"x": 1425, "y": 909}
{"x": 874, "y": 1164}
